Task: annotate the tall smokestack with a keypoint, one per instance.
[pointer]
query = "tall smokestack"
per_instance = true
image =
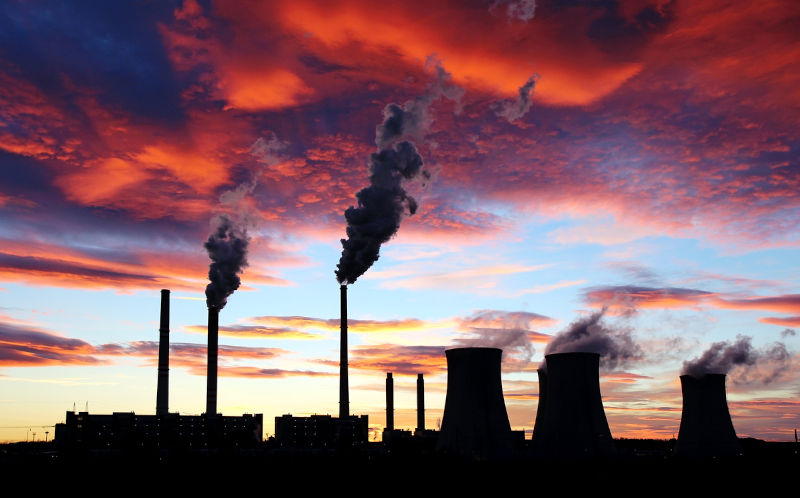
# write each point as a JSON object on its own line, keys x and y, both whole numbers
{"x": 389, "y": 402}
{"x": 706, "y": 426}
{"x": 213, "y": 347}
{"x": 570, "y": 421}
{"x": 475, "y": 421}
{"x": 420, "y": 403}
{"x": 162, "y": 392}
{"x": 344, "y": 390}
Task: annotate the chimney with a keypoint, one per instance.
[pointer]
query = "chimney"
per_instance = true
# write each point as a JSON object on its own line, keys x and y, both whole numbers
{"x": 706, "y": 426}
{"x": 420, "y": 404}
{"x": 344, "y": 391}
{"x": 162, "y": 392}
{"x": 570, "y": 420}
{"x": 213, "y": 346}
{"x": 389, "y": 402}
{"x": 475, "y": 421}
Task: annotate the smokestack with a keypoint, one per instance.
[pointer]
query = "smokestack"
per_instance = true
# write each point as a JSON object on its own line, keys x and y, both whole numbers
{"x": 475, "y": 421}
{"x": 570, "y": 420}
{"x": 389, "y": 402}
{"x": 706, "y": 426}
{"x": 420, "y": 403}
{"x": 344, "y": 390}
{"x": 213, "y": 346}
{"x": 162, "y": 392}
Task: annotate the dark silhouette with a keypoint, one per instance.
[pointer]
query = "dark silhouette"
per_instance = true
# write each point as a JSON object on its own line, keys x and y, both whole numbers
{"x": 213, "y": 353}
{"x": 571, "y": 422}
{"x": 475, "y": 422}
{"x": 162, "y": 392}
{"x": 706, "y": 426}
{"x": 344, "y": 389}
{"x": 389, "y": 402}
{"x": 420, "y": 404}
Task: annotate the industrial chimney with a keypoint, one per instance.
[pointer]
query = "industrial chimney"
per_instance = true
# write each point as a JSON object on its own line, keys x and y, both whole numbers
{"x": 389, "y": 402}
{"x": 344, "y": 390}
{"x": 162, "y": 392}
{"x": 570, "y": 420}
{"x": 420, "y": 404}
{"x": 213, "y": 347}
{"x": 706, "y": 426}
{"x": 475, "y": 421}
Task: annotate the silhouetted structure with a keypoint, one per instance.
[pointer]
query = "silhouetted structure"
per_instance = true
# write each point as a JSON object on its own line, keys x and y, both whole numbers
{"x": 344, "y": 390}
{"x": 475, "y": 422}
{"x": 162, "y": 392}
{"x": 321, "y": 431}
{"x": 570, "y": 421}
{"x": 389, "y": 402}
{"x": 128, "y": 431}
{"x": 213, "y": 352}
{"x": 706, "y": 426}
{"x": 420, "y": 405}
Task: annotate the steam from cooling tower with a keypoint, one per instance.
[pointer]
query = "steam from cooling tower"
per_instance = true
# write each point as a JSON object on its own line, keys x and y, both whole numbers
{"x": 382, "y": 204}
{"x": 227, "y": 248}
{"x": 750, "y": 364}
{"x": 592, "y": 335}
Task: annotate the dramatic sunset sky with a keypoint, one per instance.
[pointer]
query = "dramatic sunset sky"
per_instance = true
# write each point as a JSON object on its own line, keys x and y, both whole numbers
{"x": 637, "y": 156}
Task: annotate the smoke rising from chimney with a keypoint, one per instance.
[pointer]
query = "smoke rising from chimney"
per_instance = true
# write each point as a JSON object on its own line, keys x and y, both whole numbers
{"x": 227, "y": 248}
{"x": 745, "y": 363}
{"x": 512, "y": 110}
{"x": 591, "y": 335}
{"x": 228, "y": 242}
{"x": 382, "y": 204}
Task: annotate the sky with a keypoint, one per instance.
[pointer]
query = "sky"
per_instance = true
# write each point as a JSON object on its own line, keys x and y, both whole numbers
{"x": 625, "y": 168}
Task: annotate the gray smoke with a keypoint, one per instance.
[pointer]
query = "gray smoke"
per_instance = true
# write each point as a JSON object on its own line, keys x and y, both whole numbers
{"x": 522, "y": 10}
{"x": 227, "y": 248}
{"x": 788, "y": 332}
{"x": 591, "y": 335}
{"x": 227, "y": 244}
{"x": 745, "y": 363}
{"x": 382, "y": 204}
{"x": 512, "y": 110}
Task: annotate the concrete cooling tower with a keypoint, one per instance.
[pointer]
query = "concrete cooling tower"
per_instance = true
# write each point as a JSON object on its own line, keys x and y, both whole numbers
{"x": 706, "y": 426}
{"x": 570, "y": 421}
{"x": 475, "y": 422}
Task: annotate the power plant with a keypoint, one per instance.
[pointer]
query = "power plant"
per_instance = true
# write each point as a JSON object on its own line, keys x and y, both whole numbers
{"x": 570, "y": 421}
{"x": 706, "y": 427}
{"x": 475, "y": 423}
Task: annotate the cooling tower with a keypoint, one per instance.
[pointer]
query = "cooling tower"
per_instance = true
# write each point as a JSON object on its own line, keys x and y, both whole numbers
{"x": 706, "y": 426}
{"x": 389, "y": 402}
{"x": 570, "y": 421}
{"x": 475, "y": 422}
{"x": 162, "y": 392}
{"x": 344, "y": 390}
{"x": 213, "y": 347}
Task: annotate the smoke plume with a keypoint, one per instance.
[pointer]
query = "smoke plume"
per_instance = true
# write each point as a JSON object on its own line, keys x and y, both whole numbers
{"x": 522, "y": 10}
{"x": 382, "y": 204}
{"x": 512, "y": 110}
{"x": 227, "y": 248}
{"x": 227, "y": 244}
{"x": 745, "y": 363}
{"x": 591, "y": 335}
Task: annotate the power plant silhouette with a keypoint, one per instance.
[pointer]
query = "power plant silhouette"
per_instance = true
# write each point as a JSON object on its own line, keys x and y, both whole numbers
{"x": 570, "y": 422}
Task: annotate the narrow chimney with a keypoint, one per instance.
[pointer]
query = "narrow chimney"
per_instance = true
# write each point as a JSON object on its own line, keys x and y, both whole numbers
{"x": 420, "y": 403}
{"x": 344, "y": 390}
{"x": 213, "y": 346}
{"x": 162, "y": 392}
{"x": 389, "y": 402}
